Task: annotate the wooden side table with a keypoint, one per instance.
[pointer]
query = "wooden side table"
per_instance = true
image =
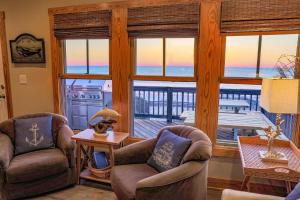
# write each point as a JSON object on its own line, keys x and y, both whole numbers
{"x": 253, "y": 166}
{"x": 86, "y": 142}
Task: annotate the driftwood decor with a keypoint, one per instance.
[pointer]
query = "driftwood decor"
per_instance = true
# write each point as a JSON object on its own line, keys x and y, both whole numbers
{"x": 26, "y": 48}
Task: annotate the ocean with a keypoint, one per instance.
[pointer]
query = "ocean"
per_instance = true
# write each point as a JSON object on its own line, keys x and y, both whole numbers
{"x": 182, "y": 71}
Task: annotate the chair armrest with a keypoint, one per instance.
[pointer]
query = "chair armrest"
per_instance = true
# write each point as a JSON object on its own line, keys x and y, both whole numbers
{"x": 66, "y": 144}
{"x": 238, "y": 195}
{"x": 6, "y": 151}
{"x": 171, "y": 176}
{"x": 136, "y": 153}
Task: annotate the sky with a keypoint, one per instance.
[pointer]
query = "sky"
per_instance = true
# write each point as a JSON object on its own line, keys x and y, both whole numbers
{"x": 241, "y": 51}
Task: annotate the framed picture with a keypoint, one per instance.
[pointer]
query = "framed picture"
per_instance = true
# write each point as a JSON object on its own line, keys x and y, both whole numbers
{"x": 27, "y": 49}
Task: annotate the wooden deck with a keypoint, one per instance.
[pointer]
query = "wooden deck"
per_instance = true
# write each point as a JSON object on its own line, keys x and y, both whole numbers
{"x": 146, "y": 128}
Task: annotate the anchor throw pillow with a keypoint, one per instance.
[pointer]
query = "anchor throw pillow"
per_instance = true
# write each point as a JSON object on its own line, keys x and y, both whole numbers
{"x": 33, "y": 134}
{"x": 169, "y": 151}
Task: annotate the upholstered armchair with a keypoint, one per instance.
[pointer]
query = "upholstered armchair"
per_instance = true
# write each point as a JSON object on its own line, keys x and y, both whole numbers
{"x": 39, "y": 171}
{"x": 132, "y": 178}
{"x": 238, "y": 195}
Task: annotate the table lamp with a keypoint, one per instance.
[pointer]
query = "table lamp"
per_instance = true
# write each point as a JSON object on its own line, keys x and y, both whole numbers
{"x": 280, "y": 96}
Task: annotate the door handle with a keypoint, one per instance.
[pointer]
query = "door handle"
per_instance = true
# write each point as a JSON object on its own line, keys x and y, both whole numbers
{"x": 2, "y": 96}
{"x": 2, "y": 87}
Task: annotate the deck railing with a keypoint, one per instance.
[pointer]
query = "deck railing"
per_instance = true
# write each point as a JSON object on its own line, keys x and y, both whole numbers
{"x": 170, "y": 102}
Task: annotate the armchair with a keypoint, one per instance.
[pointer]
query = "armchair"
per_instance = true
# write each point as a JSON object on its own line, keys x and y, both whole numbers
{"x": 39, "y": 171}
{"x": 132, "y": 178}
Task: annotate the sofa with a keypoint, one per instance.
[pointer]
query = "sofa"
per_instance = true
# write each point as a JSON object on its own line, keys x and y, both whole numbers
{"x": 240, "y": 195}
{"x": 132, "y": 178}
{"x": 36, "y": 172}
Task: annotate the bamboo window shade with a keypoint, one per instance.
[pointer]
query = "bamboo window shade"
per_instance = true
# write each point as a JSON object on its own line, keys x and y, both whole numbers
{"x": 260, "y": 15}
{"x": 164, "y": 21}
{"x": 83, "y": 25}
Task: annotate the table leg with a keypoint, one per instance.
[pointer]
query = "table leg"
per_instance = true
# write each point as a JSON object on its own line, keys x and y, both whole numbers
{"x": 288, "y": 186}
{"x": 111, "y": 155}
{"x": 78, "y": 161}
{"x": 246, "y": 182}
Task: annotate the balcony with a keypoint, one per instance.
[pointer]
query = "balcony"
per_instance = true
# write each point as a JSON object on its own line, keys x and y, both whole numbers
{"x": 156, "y": 107}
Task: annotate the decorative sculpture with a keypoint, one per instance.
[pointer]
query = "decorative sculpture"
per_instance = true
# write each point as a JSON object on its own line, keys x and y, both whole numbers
{"x": 270, "y": 154}
{"x": 109, "y": 117}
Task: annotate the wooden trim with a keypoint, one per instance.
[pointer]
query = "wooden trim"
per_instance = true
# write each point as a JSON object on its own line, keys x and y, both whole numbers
{"x": 85, "y": 76}
{"x": 6, "y": 71}
{"x": 120, "y": 61}
{"x": 271, "y": 189}
{"x": 209, "y": 60}
{"x": 166, "y": 78}
{"x": 116, "y": 4}
{"x": 226, "y": 151}
{"x": 261, "y": 33}
{"x": 249, "y": 81}
{"x": 56, "y": 57}
{"x": 296, "y": 134}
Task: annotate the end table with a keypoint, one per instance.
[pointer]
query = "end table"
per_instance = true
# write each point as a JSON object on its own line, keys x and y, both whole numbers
{"x": 86, "y": 142}
{"x": 253, "y": 166}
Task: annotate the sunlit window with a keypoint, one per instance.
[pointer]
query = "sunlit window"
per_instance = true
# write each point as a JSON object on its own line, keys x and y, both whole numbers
{"x": 87, "y": 56}
{"x": 173, "y": 57}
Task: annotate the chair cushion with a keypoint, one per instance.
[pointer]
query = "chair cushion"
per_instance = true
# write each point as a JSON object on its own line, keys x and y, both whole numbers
{"x": 36, "y": 165}
{"x": 33, "y": 134}
{"x": 125, "y": 177}
{"x": 169, "y": 151}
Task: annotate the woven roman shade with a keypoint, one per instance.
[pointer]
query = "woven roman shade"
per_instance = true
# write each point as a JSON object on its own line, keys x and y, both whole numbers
{"x": 260, "y": 15}
{"x": 94, "y": 24}
{"x": 164, "y": 21}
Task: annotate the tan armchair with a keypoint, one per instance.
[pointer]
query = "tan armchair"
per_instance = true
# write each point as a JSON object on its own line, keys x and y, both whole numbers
{"x": 132, "y": 178}
{"x": 238, "y": 195}
{"x": 40, "y": 171}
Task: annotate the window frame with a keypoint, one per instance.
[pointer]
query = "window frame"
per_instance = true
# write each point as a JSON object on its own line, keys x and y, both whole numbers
{"x": 64, "y": 75}
{"x": 233, "y": 151}
{"x": 163, "y": 77}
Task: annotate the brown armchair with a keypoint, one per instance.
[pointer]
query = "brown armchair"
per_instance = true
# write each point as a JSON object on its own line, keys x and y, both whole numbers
{"x": 40, "y": 171}
{"x": 132, "y": 178}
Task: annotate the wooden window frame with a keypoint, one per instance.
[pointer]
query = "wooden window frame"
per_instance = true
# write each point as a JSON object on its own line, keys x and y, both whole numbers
{"x": 232, "y": 151}
{"x": 163, "y": 77}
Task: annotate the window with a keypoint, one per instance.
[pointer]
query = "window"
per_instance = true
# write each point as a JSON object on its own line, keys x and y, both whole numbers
{"x": 83, "y": 97}
{"x": 87, "y": 56}
{"x": 256, "y": 56}
{"x": 167, "y": 57}
{"x": 249, "y": 57}
{"x": 162, "y": 103}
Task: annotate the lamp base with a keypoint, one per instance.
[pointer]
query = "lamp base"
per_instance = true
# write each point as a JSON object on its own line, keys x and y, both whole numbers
{"x": 273, "y": 157}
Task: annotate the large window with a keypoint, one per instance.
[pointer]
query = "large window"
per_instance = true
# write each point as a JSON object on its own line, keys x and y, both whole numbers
{"x": 250, "y": 57}
{"x": 83, "y": 97}
{"x": 162, "y": 103}
{"x": 87, "y": 56}
{"x": 172, "y": 57}
{"x": 256, "y": 56}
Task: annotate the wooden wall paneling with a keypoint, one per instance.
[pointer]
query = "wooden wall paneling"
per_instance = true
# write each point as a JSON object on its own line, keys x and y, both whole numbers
{"x": 3, "y": 42}
{"x": 120, "y": 60}
{"x": 209, "y": 68}
{"x": 56, "y": 57}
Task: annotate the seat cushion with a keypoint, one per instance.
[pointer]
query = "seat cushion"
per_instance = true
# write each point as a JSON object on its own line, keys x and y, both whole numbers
{"x": 36, "y": 165}
{"x": 125, "y": 177}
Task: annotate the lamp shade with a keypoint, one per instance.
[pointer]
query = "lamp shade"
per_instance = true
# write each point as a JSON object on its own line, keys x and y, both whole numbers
{"x": 281, "y": 96}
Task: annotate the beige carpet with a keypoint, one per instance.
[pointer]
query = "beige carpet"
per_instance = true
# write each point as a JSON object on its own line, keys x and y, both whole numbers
{"x": 90, "y": 192}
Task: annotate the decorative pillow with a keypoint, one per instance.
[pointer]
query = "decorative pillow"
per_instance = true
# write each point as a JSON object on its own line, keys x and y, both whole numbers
{"x": 295, "y": 194}
{"x": 169, "y": 151}
{"x": 33, "y": 134}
